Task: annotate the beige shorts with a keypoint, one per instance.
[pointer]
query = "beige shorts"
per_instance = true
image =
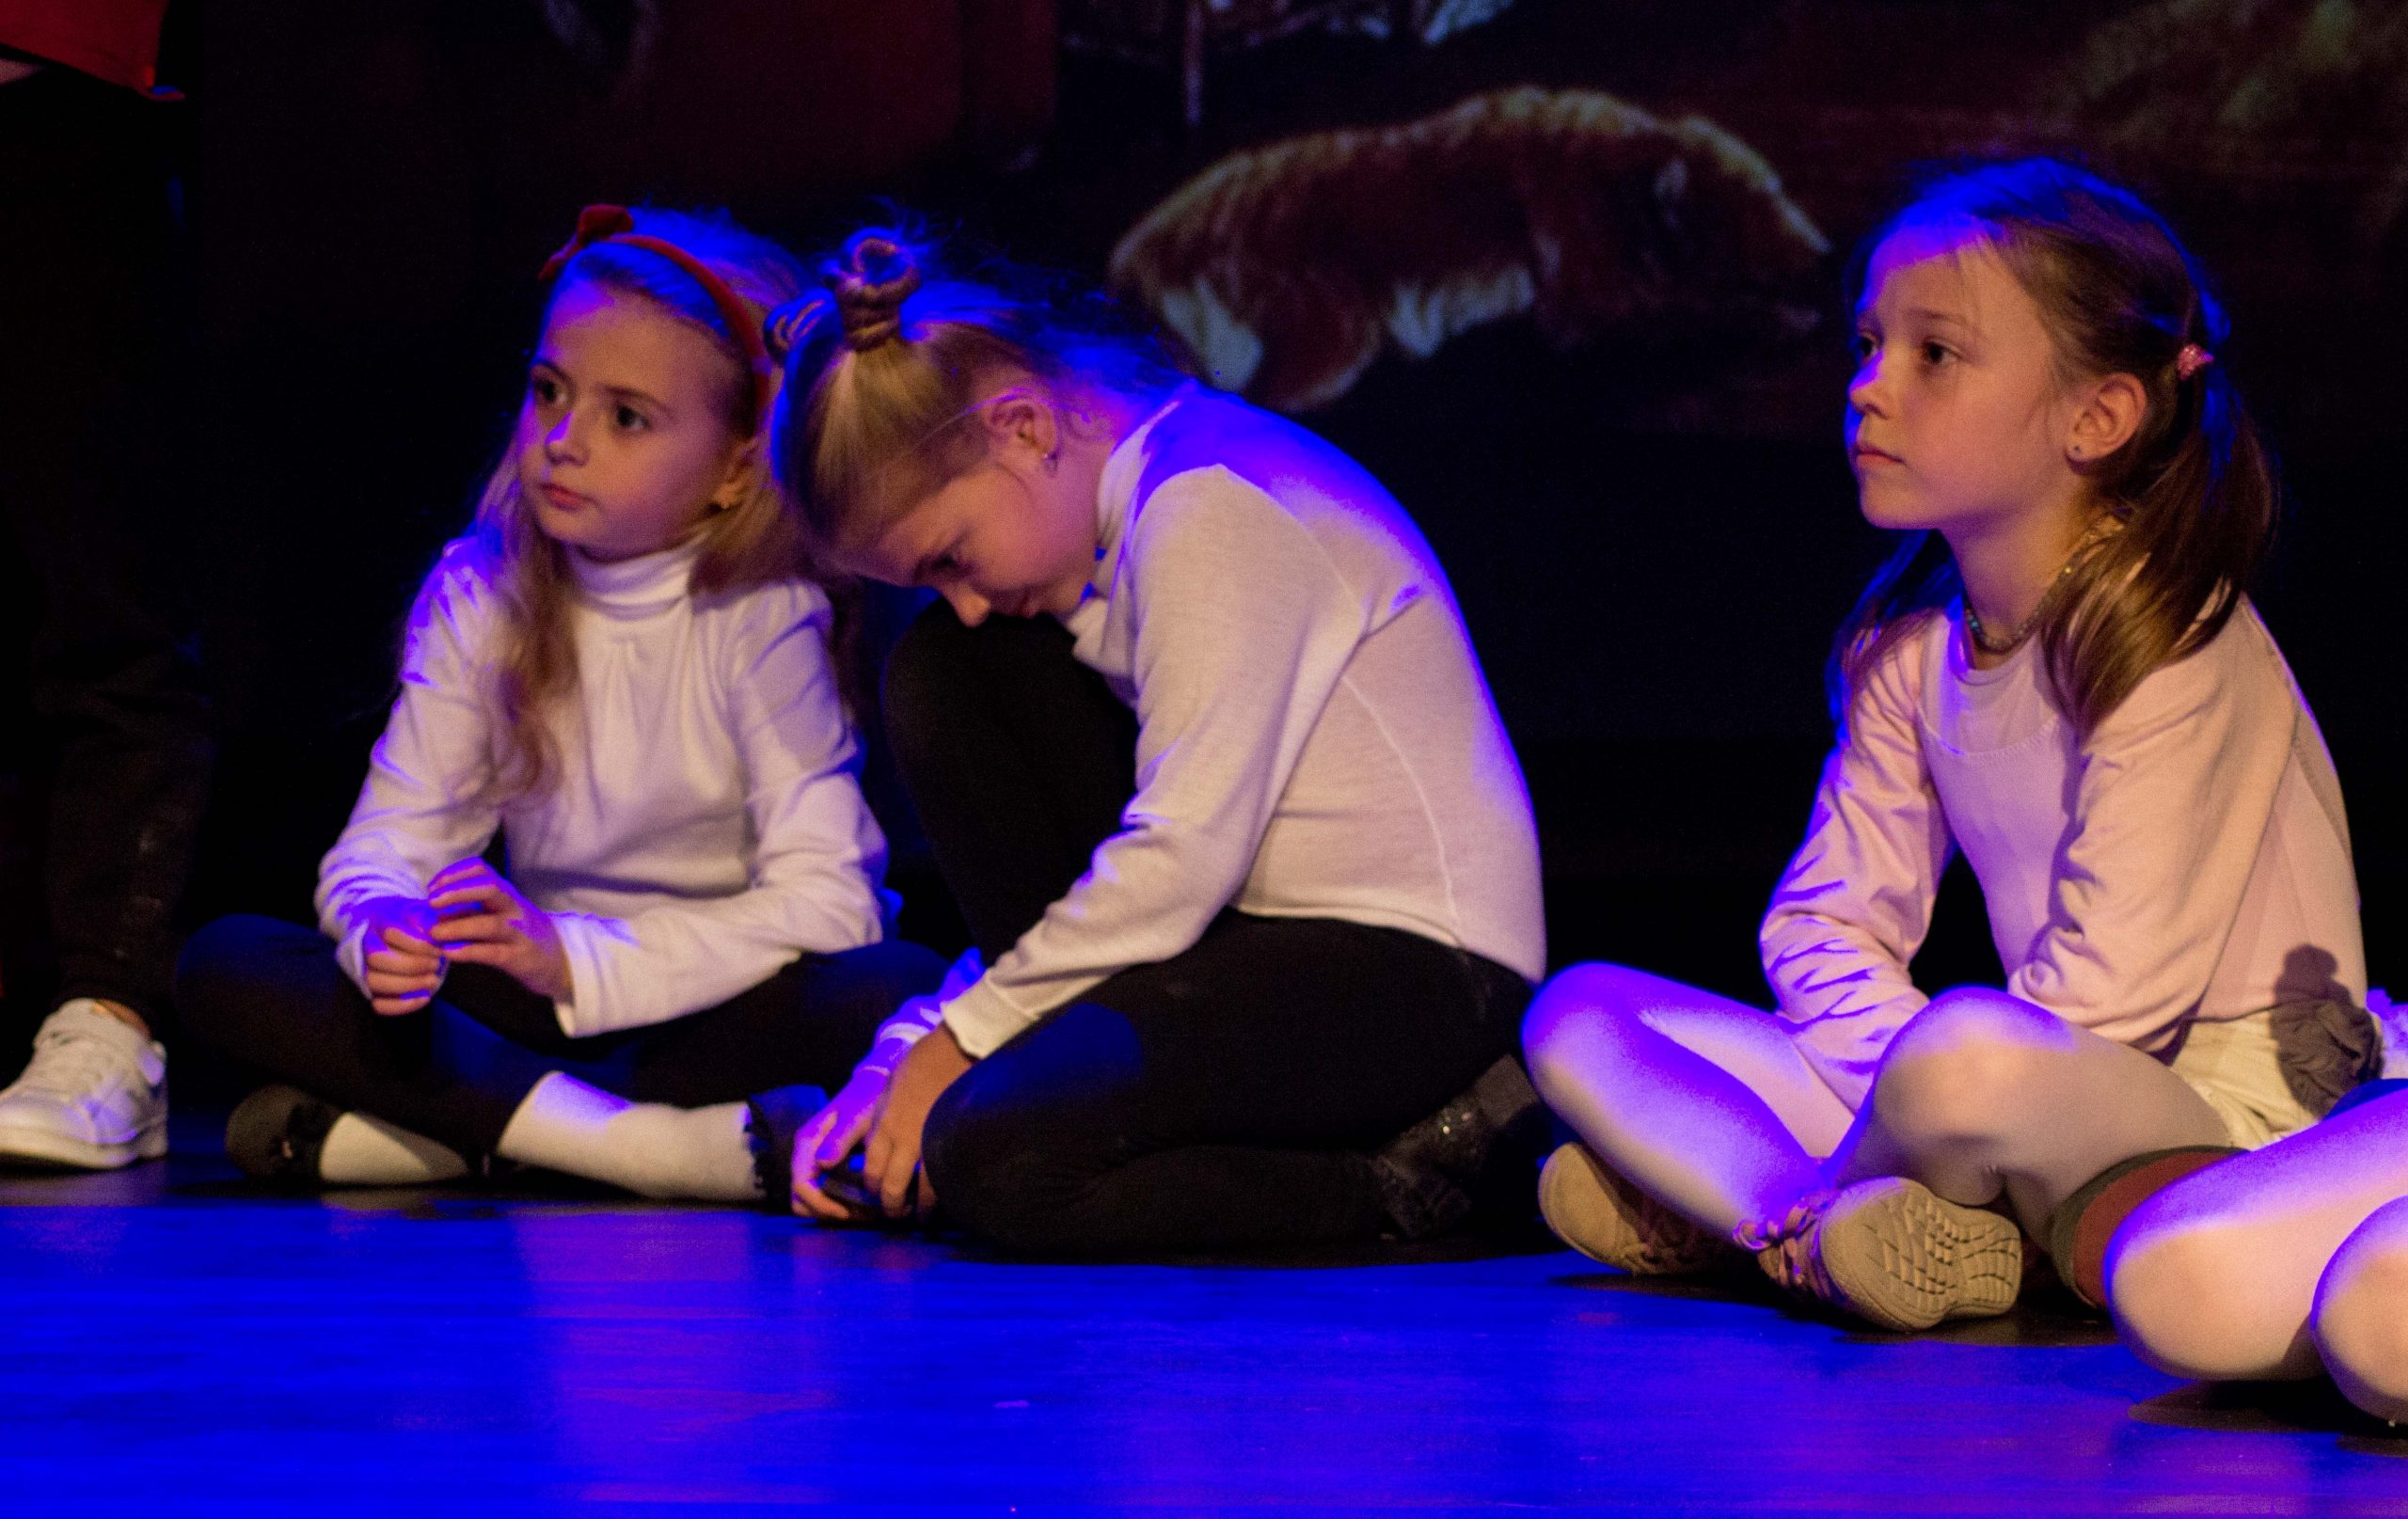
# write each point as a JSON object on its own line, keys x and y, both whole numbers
{"x": 2233, "y": 1066}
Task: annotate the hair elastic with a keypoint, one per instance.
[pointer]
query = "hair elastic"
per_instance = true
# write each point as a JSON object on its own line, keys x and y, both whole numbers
{"x": 866, "y": 287}
{"x": 615, "y": 224}
{"x": 2190, "y": 360}
{"x": 871, "y": 281}
{"x": 790, "y": 326}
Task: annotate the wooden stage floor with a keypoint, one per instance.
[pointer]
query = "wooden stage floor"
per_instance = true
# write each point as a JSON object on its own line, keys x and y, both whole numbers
{"x": 177, "y": 1343}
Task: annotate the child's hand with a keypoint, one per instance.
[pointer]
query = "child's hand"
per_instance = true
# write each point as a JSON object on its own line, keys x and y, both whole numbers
{"x": 828, "y": 1137}
{"x": 892, "y": 1160}
{"x": 481, "y": 920}
{"x": 403, "y": 965}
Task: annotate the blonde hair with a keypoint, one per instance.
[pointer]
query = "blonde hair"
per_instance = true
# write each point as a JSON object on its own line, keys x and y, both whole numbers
{"x": 2189, "y": 503}
{"x": 884, "y": 366}
{"x": 752, "y": 542}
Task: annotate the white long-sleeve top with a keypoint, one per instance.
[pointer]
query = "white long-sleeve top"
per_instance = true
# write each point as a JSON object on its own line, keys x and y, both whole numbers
{"x": 1315, "y": 739}
{"x": 2190, "y": 862}
{"x": 704, "y": 827}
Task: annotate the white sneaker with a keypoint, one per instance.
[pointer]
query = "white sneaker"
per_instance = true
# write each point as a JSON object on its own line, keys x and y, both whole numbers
{"x": 94, "y": 1097}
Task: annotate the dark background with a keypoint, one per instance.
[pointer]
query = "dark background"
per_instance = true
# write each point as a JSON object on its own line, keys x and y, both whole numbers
{"x": 1652, "y": 540}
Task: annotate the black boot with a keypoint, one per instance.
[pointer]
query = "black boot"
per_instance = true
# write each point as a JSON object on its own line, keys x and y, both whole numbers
{"x": 1478, "y": 1154}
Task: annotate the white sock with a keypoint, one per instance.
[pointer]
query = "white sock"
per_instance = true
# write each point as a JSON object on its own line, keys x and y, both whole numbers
{"x": 361, "y": 1151}
{"x": 650, "y": 1148}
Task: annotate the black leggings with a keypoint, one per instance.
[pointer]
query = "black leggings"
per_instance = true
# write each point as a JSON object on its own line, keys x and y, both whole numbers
{"x": 1223, "y": 1096}
{"x": 271, "y": 993}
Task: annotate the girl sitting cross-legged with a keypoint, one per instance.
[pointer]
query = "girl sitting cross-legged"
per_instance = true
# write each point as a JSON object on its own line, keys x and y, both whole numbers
{"x": 2059, "y": 673}
{"x": 622, "y": 670}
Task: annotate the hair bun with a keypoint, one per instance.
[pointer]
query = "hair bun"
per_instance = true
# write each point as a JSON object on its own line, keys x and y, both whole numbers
{"x": 871, "y": 279}
{"x": 789, "y": 326}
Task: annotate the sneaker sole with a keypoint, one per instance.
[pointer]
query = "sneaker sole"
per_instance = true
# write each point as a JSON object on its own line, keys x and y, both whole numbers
{"x": 1905, "y": 1259}
{"x": 1581, "y": 1206}
{"x": 39, "y": 1147}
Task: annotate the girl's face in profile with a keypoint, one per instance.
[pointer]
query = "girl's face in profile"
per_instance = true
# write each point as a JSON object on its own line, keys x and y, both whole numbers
{"x": 623, "y": 444}
{"x": 1957, "y": 416}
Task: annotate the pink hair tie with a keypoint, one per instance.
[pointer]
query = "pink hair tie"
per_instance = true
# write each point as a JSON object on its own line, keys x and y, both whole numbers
{"x": 2190, "y": 360}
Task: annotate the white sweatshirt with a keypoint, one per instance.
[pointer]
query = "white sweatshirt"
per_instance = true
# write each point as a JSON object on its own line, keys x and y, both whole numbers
{"x": 705, "y": 826}
{"x": 2190, "y": 862}
{"x": 1314, "y": 735}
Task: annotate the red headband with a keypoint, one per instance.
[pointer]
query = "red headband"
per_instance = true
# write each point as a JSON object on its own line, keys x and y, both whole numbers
{"x": 613, "y": 223}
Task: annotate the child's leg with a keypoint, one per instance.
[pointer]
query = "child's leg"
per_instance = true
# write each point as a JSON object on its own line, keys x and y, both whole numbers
{"x": 1702, "y": 1102}
{"x": 1225, "y": 1097}
{"x": 466, "y": 1070}
{"x": 2216, "y": 1276}
{"x": 2361, "y": 1316}
{"x": 808, "y": 1024}
{"x": 1017, "y": 758}
{"x": 271, "y": 994}
{"x": 662, "y": 1111}
{"x": 1984, "y": 1094}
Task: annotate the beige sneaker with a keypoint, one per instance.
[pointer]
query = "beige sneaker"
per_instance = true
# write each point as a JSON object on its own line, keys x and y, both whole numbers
{"x": 1606, "y": 1218}
{"x": 1891, "y": 1253}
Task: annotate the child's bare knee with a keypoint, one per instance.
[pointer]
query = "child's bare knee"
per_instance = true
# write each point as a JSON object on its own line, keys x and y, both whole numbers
{"x": 2361, "y": 1317}
{"x": 1582, "y": 1016}
{"x": 1960, "y": 1068}
{"x": 2174, "y": 1287}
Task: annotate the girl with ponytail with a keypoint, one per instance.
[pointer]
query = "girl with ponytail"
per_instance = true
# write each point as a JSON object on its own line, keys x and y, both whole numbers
{"x": 1204, "y": 754}
{"x": 2060, "y": 674}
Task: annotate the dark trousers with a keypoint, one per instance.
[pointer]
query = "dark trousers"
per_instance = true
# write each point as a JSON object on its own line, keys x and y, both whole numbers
{"x": 92, "y": 495}
{"x": 1223, "y": 1096}
{"x": 270, "y": 993}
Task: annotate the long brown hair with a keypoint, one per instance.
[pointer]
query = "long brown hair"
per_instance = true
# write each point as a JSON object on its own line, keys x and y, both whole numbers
{"x": 2193, "y": 493}
{"x": 753, "y": 542}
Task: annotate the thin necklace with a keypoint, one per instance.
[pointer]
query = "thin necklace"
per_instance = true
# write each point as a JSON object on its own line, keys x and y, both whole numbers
{"x": 2023, "y": 630}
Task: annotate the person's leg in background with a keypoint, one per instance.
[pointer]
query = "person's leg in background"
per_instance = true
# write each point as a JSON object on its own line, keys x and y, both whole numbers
{"x": 1018, "y": 759}
{"x": 89, "y": 489}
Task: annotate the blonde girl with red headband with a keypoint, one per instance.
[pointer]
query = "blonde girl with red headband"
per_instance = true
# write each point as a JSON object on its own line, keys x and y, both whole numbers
{"x": 622, "y": 673}
{"x": 2059, "y": 673}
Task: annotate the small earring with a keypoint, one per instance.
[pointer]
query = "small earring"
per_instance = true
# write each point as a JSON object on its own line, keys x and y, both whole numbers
{"x": 1053, "y": 462}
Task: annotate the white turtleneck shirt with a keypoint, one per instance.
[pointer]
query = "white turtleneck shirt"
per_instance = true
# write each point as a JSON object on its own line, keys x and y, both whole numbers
{"x": 1315, "y": 739}
{"x": 704, "y": 826}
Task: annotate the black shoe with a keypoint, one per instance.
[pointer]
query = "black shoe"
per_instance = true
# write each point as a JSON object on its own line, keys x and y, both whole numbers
{"x": 277, "y": 1132}
{"x": 1480, "y": 1153}
{"x": 774, "y": 1119}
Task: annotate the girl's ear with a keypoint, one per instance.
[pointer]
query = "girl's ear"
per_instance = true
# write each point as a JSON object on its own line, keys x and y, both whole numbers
{"x": 1020, "y": 421}
{"x": 742, "y": 473}
{"x": 2107, "y": 419}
